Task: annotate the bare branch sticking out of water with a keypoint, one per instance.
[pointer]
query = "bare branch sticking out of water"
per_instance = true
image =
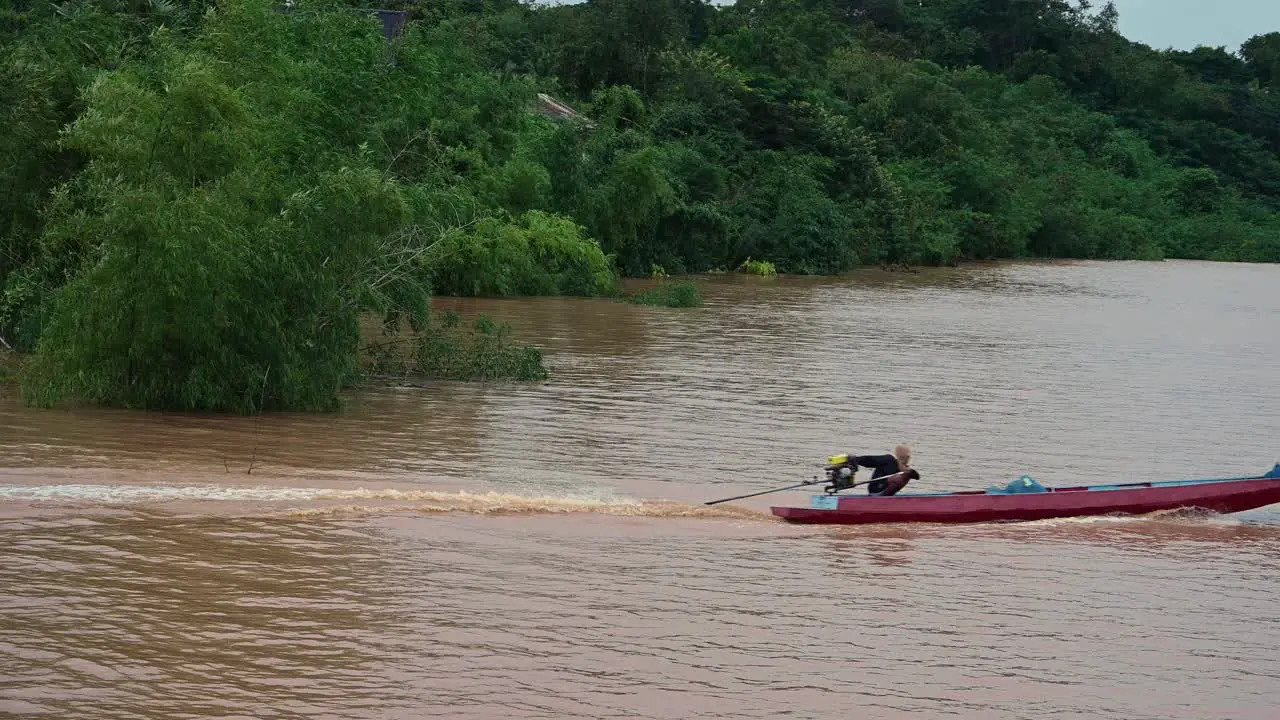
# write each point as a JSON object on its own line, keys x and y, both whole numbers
{"x": 257, "y": 422}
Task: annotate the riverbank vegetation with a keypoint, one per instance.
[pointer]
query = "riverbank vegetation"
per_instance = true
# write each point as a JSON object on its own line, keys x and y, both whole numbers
{"x": 681, "y": 294}
{"x": 201, "y": 199}
{"x": 448, "y": 349}
{"x": 10, "y": 366}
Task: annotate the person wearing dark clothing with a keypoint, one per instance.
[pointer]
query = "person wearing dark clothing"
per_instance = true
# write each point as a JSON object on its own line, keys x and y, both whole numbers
{"x": 889, "y": 473}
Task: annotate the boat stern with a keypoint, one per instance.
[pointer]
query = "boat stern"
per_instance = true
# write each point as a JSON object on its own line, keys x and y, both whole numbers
{"x": 821, "y": 507}
{"x": 824, "y": 502}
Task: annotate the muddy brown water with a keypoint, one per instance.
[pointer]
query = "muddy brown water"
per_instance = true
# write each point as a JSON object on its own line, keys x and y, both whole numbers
{"x": 542, "y": 551}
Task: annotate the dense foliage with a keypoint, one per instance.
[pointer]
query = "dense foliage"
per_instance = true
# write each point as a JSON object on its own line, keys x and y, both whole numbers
{"x": 200, "y": 199}
{"x": 448, "y": 350}
{"x": 664, "y": 294}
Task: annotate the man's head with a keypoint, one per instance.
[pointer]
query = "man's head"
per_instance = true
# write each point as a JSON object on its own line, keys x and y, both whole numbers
{"x": 903, "y": 453}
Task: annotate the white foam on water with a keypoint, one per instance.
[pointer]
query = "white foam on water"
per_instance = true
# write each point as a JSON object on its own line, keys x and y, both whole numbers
{"x": 131, "y": 494}
{"x": 1189, "y": 516}
{"x": 421, "y": 500}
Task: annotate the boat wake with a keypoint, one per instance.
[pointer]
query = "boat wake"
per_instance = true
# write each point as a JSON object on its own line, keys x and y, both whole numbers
{"x": 327, "y": 501}
{"x": 1185, "y": 516}
{"x": 1186, "y": 523}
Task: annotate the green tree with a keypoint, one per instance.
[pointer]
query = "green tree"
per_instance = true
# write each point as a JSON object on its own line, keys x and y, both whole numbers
{"x": 1262, "y": 55}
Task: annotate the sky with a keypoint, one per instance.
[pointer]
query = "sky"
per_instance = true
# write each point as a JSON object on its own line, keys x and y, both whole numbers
{"x": 1183, "y": 24}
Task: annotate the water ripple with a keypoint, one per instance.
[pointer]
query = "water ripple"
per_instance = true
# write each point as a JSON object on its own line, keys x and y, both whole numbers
{"x": 541, "y": 551}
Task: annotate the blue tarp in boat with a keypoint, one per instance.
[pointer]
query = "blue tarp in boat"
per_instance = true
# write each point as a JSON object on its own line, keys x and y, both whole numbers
{"x": 1024, "y": 484}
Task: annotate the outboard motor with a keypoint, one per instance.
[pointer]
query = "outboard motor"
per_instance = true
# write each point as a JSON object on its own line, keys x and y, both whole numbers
{"x": 840, "y": 470}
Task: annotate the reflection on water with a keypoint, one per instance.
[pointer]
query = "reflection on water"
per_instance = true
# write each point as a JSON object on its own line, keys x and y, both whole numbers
{"x": 542, "y": 550}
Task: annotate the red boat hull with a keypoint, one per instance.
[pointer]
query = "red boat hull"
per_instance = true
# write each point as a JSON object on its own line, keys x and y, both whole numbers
{"x": 1222, "y": 496}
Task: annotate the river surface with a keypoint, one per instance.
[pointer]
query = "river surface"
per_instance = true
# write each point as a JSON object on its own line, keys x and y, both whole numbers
{"x": 542, "y": 550}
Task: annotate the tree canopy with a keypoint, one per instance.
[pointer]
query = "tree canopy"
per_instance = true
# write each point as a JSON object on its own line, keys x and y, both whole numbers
{"x": 203, "y": 198}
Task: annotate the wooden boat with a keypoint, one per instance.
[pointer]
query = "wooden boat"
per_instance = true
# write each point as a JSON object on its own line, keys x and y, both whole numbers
{"x": 1024, "y": 499}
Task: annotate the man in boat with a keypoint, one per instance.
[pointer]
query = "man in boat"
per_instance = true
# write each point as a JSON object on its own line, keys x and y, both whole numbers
{"x": 889, "y": 473}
